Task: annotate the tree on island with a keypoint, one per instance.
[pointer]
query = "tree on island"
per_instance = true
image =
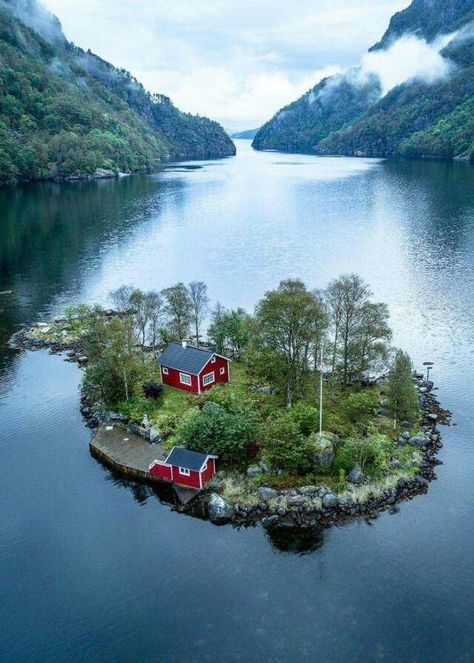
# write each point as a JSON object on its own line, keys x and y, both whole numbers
{"x": 231, "y": 332}
{"x": 359, "y": 328}
{"x": 288, "y": 321}
{"x": 403, "y": 401}
{"x": 179, "y": 308}
{"x": 199, "y": 303}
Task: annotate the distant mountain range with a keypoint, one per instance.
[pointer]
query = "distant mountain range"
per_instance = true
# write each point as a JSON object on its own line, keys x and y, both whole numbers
{"x": 428, "y": 114}
{"x": 248, "y": 133}
{"x": 65, "y": 112}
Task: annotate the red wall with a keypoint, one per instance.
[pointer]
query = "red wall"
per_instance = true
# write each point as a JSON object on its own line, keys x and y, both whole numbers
{"x": 192, "y": 480}
{"x": 162, "y": 471}
{"x": 216, "y": 366}
{"x": 208, "y": 474}
{"x": 173, "y": 380}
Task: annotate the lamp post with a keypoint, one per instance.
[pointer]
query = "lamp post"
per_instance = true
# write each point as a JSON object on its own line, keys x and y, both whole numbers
{"x": 429, "y": 366}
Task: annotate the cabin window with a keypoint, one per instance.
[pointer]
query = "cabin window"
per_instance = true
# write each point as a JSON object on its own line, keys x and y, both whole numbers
{"x": 165, "y": 370}
{"x": 222, "y": 370}
{"x": 209, "y": 378}
{"x": 204, "y": 467}
{"x": 184, "y": 471}
{"x": 213, "y": 359}
{"x": 184, "y": 378}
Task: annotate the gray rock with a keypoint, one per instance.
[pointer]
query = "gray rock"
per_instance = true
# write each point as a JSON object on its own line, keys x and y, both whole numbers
{"x": 308, "y": 490}
{"x": 329, "y": 500}
{"x": 418, "y": 441}
{"x": 266, "y": 493}
{"x": 432, "y": 416}
{"x": 219, "y": 510}
{"x": 395, "y": 464}
{"x": 155, "y": 435}
{"x": 296, "y": 500}
{"x": 82, "y": 359}
{"x": 268, "y": 521}
{"x": 356, "y": 475}
{"x": 116, "y": 416}
{"x": 323, "y": 448}
{"x": 254, "y": 471}
{"x": 405, "y": 435}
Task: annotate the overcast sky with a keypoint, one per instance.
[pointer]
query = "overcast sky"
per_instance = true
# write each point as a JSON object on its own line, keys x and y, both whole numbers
{"x": 237, "y": 62}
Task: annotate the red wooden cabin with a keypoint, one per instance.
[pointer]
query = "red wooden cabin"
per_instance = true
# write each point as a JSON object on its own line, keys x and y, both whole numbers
{"x": 185, "y": 467}
{"x": 192, "y": 369}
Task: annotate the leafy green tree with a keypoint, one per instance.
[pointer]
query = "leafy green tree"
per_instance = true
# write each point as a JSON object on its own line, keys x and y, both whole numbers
{"x": 288, "y": 322}
{"x": 231, "y": 332}
{"x": 179, "y": 309}
{"x": 199, "y": 304}
{"x": 403, "y": 401}
{"x": 113, "y": 363}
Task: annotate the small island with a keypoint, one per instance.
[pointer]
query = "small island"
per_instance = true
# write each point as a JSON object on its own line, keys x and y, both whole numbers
{"x": 313, "y": 415}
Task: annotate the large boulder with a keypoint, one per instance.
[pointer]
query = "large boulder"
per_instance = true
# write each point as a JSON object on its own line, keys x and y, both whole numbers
{"x": 418, "y": 441}
{"x": 324, "y": 448}
{"x": 219, "y": 510}
{"x": 266, "y": 493}
{"x": 356, "y": 475}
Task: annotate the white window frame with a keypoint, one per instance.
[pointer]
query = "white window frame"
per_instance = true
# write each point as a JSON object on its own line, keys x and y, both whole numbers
{"x": 204, "y": 467}
{"x": 210, "y": 381}
{"x": 184, "y": 471}
{"x": 165, "y": 370}
{"x": 213, "y": 359}
{"x": 184, "y": 377}
{"x": 222, "y": 370}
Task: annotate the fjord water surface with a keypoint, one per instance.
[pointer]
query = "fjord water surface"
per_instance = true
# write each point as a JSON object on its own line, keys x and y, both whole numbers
{"x": 97, "y": 569}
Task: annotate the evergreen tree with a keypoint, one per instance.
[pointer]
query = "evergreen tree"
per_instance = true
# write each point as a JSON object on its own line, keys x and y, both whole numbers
{"x": 403, "y": 400}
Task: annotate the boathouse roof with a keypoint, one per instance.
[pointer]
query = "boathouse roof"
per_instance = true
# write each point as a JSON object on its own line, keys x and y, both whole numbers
{"x": 184, "y": 358}
{"x": 191, "y": 460}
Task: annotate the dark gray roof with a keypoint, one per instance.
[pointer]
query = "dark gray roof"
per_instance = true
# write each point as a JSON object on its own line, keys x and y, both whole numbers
{"x": 192, "y": 460}
{"x": 189, "y": 359}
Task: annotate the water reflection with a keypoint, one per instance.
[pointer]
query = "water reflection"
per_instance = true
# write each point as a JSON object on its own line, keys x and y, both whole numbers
{"x": 296, "y": 541}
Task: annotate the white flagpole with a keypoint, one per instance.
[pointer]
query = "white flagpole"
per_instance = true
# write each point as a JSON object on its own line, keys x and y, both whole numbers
{"x": 321, "y": 391}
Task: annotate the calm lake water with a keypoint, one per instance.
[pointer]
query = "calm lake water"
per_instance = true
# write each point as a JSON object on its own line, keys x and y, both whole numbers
{"x": 97, "y": 569}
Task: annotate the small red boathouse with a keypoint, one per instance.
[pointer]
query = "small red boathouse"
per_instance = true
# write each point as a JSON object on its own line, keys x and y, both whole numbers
{"x": 192, "y": 369}
{"x": 185, "y": 467}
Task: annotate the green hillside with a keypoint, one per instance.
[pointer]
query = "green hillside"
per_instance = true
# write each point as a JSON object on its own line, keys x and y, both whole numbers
{"x": 65, "y": 112}
{"x": 415, "y": 119}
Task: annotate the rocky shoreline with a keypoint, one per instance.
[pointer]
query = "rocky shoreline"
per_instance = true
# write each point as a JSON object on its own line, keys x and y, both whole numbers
{"x": 304, "y": 507}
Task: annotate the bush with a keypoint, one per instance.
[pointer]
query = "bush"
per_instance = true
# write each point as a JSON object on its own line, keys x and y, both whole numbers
{"x": 213, "y": 430}
{"x": 358, "y": 409}
{"x": 370, "y": 453}
{"x": 306, "y": 417}
{"x": 285, "y": 447}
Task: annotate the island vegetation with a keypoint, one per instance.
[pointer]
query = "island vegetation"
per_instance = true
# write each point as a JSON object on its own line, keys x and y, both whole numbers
{"x": 265, "y": 424}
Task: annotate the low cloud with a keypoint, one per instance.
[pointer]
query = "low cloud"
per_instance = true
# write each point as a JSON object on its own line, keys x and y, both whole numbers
{"x": 408, "y": 58}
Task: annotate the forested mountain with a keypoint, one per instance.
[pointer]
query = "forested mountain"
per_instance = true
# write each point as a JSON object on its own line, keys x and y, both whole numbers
{"x": 422, "y": 117}
{"x": 65, "y": 112}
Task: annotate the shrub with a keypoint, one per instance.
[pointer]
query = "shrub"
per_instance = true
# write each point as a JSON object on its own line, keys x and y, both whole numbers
{"x": 359, "y": 408}
{"x": 370, "y": 453}
{"x": 306, "y": 417}
{"x": 213, "y": 430}
{"x": 285, "y": 447}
